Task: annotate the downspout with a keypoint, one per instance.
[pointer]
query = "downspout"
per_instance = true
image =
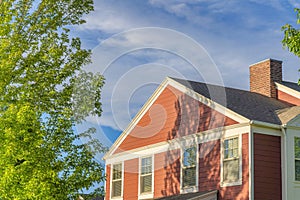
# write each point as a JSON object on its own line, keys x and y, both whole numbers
{"x": 284, "y": 165}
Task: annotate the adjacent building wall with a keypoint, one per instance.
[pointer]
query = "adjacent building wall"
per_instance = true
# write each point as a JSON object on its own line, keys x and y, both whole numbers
{"x": 267, "y": 167}
{"x": 293, "y": 187}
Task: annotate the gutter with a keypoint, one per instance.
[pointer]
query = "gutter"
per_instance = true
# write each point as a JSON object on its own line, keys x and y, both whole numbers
{"x": 265, "y": 124}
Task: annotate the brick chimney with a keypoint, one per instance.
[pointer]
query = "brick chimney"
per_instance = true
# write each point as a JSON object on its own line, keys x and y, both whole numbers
{"x": 263, "y": 75}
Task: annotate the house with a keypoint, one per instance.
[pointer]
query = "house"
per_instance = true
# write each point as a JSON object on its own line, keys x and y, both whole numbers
{"x": 198, "y": 141}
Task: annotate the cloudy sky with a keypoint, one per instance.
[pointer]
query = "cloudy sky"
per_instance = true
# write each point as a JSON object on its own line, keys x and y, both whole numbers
{"x": 137, "y": 43}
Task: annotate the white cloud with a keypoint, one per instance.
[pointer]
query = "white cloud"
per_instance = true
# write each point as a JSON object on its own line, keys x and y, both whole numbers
{"x": 234, "y": 36}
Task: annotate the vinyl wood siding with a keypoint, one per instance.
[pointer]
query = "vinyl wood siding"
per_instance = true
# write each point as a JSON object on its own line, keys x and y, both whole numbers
{"x": 167, "y": 173}
{"x": 288, "y": 98}
{"x": 209, "y": 166}
{"x": 131, "y": 175}
{"x": 267, "y": 167}
{"x": 173, "y": 114}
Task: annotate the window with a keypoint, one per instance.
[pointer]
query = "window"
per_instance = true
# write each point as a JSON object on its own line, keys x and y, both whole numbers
{"x": 297, "y": 158}
{"x": 117, "y": 180}
{"x": 146, "y": 175}
{"x": 231, "y": 161}
{"x": 189, "y": 162}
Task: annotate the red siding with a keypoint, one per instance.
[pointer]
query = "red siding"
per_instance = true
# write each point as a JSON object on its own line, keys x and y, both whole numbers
{"x": 209, "y": 171}
{"x": 107, "y": 184}
{"x": 209, "y": 166}
{"x": 288, "y": 98}
{"x": 167, "y": 173}
{"x": 172, "y": 115}
{"x": 131, "y": 176}
{"x": 267, "y": 167}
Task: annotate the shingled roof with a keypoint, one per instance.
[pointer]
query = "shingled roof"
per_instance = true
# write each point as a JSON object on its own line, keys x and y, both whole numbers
{"x": 251, "y": 105}
{"x": 291, "y": 85}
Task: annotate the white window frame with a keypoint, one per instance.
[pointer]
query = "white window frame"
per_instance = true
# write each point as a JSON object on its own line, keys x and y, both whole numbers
{"x": 295, "y": 160}
{"x": 189, "y": 144}
{"x": 239, "y": 181}
{"x": 111, "y": 181}
{"x": 146, "y": 195}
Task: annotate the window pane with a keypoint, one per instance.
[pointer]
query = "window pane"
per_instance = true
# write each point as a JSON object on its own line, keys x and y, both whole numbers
{"x": 146, "y": 175}
{"x": 231, "y": 170}
{"x": 146, "y": 183}
{"x": 231, "y": 147}
{"x": 146, "y": 167}
{"x": 297, "y": 147}
{"x": 297, "y": 170}
{"x": 189, "y": 176}
{"x": 235, "y": 153}
{"x": 226, "y": 154}
{"x": 146, "y": 161}
{"x": 116, "y": 186}
{"x": 189, "y": 157}
{"x": 235, "y": 143}
{"x": 117, "y": 171}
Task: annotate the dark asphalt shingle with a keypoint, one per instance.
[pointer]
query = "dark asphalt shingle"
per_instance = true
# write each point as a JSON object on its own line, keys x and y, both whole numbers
{"x": 251, "y": 105}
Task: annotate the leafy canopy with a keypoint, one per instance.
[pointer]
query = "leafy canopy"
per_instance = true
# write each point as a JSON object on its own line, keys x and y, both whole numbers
{"x": 291, "y": 39}
{"x": 44, "y": 93}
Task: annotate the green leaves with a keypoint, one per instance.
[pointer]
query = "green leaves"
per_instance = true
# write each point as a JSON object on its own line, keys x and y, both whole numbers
{"x": 291, "y": 38}
{"x": 41, "y": 87}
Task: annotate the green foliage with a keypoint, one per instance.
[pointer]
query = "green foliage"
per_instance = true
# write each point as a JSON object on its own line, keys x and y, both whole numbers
{"x": 291, "y": 38}
{"x": 41, "y": 156}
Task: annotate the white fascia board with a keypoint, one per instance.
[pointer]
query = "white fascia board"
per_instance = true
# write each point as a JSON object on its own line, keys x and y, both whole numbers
{"x": 287, "y": 90}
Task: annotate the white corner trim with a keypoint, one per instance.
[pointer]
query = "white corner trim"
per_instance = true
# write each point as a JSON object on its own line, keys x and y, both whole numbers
{"x": 287, "y": 90}
{"x": 251, "y": 164}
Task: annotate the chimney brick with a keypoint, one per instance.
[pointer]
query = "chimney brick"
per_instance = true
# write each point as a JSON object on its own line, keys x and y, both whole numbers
{"x": 263, "y": 76}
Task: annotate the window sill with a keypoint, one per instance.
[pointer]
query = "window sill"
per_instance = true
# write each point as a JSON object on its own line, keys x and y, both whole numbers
{"x": 117, "y": 198}
{"x": 224, "y": 184}
{"x": 146, "y": 195}
{"x": 189, "y": 189}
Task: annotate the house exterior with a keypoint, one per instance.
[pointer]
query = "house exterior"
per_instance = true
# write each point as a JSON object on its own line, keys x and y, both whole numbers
{"x": 198, "y": 141}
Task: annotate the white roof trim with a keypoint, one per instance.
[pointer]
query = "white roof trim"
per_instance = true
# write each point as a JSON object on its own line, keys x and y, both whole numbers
{"x": 287, "y": 90}
{"x": 168, "y": 81}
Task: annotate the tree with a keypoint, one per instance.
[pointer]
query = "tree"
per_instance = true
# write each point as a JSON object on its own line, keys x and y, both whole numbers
{"x": 41, "y": 78}
{"x": 291, "y": 38}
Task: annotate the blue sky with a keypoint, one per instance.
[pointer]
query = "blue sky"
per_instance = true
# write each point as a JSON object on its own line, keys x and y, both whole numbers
{"x": 220, "y": 36}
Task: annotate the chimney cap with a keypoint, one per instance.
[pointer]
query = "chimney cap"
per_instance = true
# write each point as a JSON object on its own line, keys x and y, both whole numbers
{"x": 268, "y": 59}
